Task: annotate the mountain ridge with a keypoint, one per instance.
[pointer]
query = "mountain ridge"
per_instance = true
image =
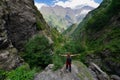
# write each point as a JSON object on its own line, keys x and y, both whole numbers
{"x": 62, "y": 18}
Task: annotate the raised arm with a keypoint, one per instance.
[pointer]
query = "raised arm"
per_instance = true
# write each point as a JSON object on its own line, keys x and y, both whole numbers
{"x": 74, "y": 55}
{"x": 62, "y": 55}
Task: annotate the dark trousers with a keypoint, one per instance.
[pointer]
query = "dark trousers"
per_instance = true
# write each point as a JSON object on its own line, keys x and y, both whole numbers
{"x": 68, "y": 66}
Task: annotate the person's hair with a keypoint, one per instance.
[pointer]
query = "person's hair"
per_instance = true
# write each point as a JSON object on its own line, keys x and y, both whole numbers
{"x": 68, "y": 54}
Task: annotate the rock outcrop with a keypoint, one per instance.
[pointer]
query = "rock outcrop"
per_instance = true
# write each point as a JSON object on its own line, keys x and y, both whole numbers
{"x": 79, "y": 72}
{"x": 19, "y": 21}
{"x": 98, "y": 73}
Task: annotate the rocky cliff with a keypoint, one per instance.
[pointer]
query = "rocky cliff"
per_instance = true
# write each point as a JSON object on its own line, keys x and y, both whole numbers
{"x": 19, "y": 21}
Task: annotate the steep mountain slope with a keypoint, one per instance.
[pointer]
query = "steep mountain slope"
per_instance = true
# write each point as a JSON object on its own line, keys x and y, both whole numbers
{"x": 68, "y": 32}
{"x": 62, "y": 18}
{"x": 19, "y": 21}
{"x": 99, "y": 34}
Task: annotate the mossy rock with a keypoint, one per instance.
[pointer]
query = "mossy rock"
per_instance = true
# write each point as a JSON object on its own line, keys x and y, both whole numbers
{"x": 83, "y": 71}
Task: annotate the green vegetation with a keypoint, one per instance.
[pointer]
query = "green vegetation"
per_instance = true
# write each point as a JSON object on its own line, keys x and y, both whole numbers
{"x": 2, "y": 74}
{"x": 70, "y": 30}
{"x": 96, "y": 32}
{"x": 100, "y": 31}
{"x": 39, "y": 25}
{"x": 21, "y": 73}
{"x": 58, "y": 61}
{"x": 59, "y": 24}
{"x": 37, "y": 52}
{"x": 62, "y": 45}
{"x": 57, "y": 48}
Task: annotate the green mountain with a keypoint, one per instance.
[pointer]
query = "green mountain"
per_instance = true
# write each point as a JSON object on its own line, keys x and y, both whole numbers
{"x": 61, "y": 18}
{"x": 68, "y": 32}
{"x": 99, "y": 34}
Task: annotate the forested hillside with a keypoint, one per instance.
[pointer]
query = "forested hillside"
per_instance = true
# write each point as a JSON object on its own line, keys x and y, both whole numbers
{"x": 99, "y": 34}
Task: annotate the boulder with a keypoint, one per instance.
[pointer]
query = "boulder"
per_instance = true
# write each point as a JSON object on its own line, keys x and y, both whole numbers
{"x": 98, "y": 73}
{"x": 115, "y": 77}
{"x": 79, "y": 72}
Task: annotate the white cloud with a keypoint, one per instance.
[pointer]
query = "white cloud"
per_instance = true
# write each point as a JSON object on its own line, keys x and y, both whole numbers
{"x": 55, "y": 1}
{"x": 70, "y": 3}
{"x": 39, "y": 5}
{"x": 75, "y": 3}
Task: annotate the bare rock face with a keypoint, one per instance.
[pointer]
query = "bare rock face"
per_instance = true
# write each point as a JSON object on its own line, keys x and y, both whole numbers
{"x": 18, "y": 23}
{"x": 9, "y": 59}
{"x": 115, "y": 77}
{"x": 102, "y": 60}
{"x": 97, "y": 72}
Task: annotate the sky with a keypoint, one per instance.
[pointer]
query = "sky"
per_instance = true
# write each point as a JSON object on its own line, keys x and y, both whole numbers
{"x": 67, "y": 3}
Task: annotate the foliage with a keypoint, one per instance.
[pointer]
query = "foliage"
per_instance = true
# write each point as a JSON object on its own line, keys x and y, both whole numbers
{"x": 2, "y": 74}
{"x": 37, "y": 52}
{"x": 70, "y": 30}
{"x": 59, "y": 22}
{"x": 21, "y": 73}
{"x": 62, "y": 44}
{"x": 100, "y": 31}
{"x": 73, "y": 47}
{"x": 57, "y": 61}
{"x": 39, "y": 25}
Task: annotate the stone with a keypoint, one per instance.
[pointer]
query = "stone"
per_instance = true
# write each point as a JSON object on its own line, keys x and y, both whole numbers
{"x": 98, "y": 73}
{"x": 79, "y": 72}
{"x": 4, "y": 44}
{"x": 115, "y": 77}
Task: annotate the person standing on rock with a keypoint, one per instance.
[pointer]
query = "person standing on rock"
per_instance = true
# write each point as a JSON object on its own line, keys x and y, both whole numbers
{"x": 68, "y": 61}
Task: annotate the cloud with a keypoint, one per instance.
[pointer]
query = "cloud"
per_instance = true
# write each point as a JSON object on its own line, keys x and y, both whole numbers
{"x": 39, "y": 5}
{"x": 55, "y": 1}
{"x": 75, "y": 3}
{"x": 70, "y": 3}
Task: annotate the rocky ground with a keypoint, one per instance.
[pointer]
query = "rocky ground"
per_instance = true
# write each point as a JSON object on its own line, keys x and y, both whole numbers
{"x": 79, "y": 72}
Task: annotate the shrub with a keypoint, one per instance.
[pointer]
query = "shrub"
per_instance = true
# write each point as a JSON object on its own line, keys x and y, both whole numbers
{"x": 37, "y": 52}
{"x": 39, "y": 25}
{"x": 2, "y": 74}
{"x": 73, "y": 47}
{"x": 21, "y": 73}
{"x": 57, "y": 61}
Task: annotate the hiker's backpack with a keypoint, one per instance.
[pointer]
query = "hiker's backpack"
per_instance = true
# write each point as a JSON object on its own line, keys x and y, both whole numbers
{"x": 69, "y": 60}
